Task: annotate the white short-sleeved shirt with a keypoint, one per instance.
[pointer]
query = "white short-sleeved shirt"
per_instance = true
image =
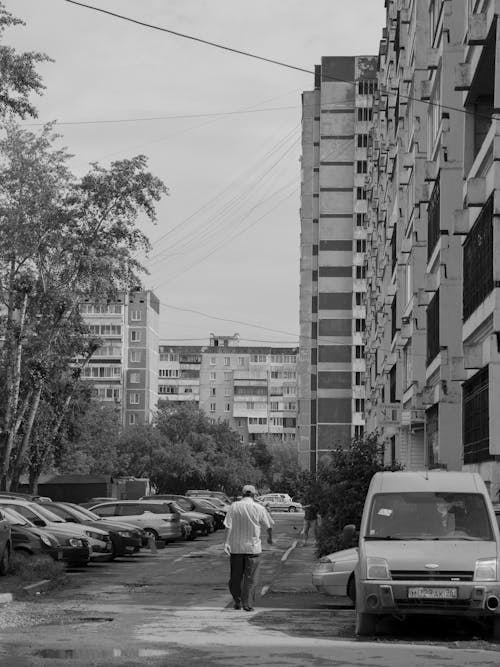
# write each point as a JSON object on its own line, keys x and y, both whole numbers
{"x": 244, "y": 520}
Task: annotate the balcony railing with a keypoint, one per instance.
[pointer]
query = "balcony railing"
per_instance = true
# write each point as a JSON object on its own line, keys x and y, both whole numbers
{"x": 478, "y": 261}
{"x": 433, "y": 220}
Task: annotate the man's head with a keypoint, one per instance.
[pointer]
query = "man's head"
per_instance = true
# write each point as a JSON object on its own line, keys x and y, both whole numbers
{"x": 248, "y": 490}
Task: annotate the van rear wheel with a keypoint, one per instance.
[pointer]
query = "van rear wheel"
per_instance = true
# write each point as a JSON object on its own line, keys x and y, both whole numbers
{"x": 365, "y": 623}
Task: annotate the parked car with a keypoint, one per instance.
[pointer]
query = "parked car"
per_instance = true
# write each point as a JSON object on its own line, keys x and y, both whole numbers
{"x": 334, "y": 573}
{"x": 29, "y": 539}
{"x": 126, "y": 539}
{"x": 206, "y": 493}
{"x": 187, "y": 531}
{"x": 197, "y": 505}
{"x": 98, "y": 540}
{"x": 23, "y": 496}
{"x": 279, "y": 501}
{"x": 5, "y": 544}
{"x": 429, "y": 543}
{"x": 201, "y": 524}
{"x": 93, "y": 501}
{"x": 156, "y": 521}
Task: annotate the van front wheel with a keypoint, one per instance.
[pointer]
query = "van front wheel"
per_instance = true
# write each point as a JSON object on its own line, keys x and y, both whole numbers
{"x": 365, "y": 623}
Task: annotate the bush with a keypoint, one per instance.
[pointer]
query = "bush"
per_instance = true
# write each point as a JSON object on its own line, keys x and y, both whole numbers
{"x": 34, "y": 568}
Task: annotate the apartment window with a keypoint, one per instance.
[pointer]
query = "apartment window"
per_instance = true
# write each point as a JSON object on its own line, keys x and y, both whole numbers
{"x": 241, "y": 361}
{"x": 359, "y": 379}
{"x": 433, "y": 220}
{"x": 367, "y": 87}
{"x": 212, "y": 391}
{"x": 360, "y": 193}
{"x": 360, "y": 324}
{"x": 361, "y": 166}
{"x": 359, "y": 431}
{"x": 359, "y": 351}
{"x": 132, "y": 419}
{"x": 478, "y": 261}
{"x": 134, "y": 398}
{"x": 392, "y": 384}
{"x": 360, "y": 298}
{"x": 360, "y": 245}
{"x": 227, "y": 361}
{"x": 258, "y": 358}
{"x": 360, "y": 219}
{"x": 135, "y": 315}
{"x": 250, "y": 405}
{"x": 274, "y": 406}
{"x": 227, "y": 390}
{"x": 135, "y": 378}
{"x": 135, "y": 336}
{"x": 365, "y": 113}
{"x": 362, "y": 140}
{"x": 213, "y": 376}
{"x": 134, "y": 356}
{"x": 227, "y": 407}
{"x": 212, "y": 407}
{"x": 360, "y": 272}
{"x": 227, "y": 376}
{"x": 433, "y": 328}
{"x": 476, "y": 426}
{"x": 213, "y": 361}
{"x": 359, "y": 405}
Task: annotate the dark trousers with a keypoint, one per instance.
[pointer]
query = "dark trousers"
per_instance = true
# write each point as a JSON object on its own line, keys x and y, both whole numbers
{"x": 243, "y": 579}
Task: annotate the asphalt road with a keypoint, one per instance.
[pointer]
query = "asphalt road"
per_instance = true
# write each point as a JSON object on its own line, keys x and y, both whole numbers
{"x": 173, "y": 608}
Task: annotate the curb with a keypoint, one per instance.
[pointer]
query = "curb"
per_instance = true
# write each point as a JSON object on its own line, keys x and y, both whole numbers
{"x": 31, "y": 589}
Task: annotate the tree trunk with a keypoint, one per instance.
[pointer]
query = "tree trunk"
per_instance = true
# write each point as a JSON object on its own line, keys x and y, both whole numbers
{"x": 19, "y": 465}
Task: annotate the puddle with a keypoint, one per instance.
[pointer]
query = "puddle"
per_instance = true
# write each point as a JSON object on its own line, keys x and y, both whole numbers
{"x": 78, "y": 653}
{"x": 73, "y": 620}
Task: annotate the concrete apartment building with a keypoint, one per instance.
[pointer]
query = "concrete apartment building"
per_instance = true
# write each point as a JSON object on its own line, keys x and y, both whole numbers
{"x": 336, "y": 119}
{"x": 433, "y": 310}
{"x": 253, "y": 389}
{"x": 124, "y": 370}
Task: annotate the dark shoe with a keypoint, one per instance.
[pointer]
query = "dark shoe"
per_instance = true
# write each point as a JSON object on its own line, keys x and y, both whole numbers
{"x": 248, "y": 608}
{"x": 237, "y": 604}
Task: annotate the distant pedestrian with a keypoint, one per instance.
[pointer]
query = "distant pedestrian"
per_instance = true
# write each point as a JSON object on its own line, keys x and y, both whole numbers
{"x": 310, "y": 521}
{"x": 244, "y": 520}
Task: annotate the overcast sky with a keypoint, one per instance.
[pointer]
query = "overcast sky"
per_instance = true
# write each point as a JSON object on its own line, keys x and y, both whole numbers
{"x": 222, "y": 130}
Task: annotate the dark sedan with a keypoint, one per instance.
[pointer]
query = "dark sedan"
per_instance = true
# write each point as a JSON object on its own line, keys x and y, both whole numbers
{"x": 125, "y": 539}
{"x": 29, "y": 540}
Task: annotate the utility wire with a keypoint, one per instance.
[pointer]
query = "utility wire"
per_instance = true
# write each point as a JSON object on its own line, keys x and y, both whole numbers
{"x": 326, "y": 77}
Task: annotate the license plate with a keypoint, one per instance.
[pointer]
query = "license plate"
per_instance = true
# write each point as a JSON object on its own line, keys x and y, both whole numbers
{"x": 426, "y": 593}
{"x": 59, "y": 555}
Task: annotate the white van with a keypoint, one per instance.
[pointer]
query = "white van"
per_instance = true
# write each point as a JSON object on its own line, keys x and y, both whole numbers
{"x": 429, "y": 543}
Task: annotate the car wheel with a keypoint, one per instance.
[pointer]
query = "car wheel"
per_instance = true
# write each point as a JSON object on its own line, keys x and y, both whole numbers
{"x": 5, "y": 560}
{"x": 292, "y": 508}
{"x": 151, "y": 532}
{"x": 351, "y": 588}
{"x": 365, "y": 623}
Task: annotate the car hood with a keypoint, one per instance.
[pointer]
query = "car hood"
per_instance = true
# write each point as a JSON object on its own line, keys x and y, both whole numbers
{"x": 416, "y": 554}
{"x": 74, "y": 529}
{"x": 345, "y": 554}
{"x": 195, "y": 515}
{"x": 109, "y": 526}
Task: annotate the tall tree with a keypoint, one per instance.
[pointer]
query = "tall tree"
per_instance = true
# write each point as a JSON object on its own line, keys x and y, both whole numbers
{"x": 61, "y": 241}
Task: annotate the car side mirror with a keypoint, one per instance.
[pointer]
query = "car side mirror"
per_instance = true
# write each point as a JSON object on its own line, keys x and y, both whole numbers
{"x": 39, "y": 522}
{"x": 348, "y": 533}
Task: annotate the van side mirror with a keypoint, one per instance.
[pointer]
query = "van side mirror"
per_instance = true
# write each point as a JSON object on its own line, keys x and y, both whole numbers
{"x": 348, "y": 533}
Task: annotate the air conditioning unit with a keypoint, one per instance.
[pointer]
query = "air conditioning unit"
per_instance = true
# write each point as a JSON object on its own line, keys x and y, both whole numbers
{"x": 463, "y": 76}
{"x": 431, "y": 170}
{"x": 478, "y": 29}
{"x": 476, "y": 191}
{"x": 425, "y": 90}
{"x": 433, "y": 58}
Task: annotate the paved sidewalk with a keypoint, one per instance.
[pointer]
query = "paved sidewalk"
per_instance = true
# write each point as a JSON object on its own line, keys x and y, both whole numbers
{"x": 295, "y": 575}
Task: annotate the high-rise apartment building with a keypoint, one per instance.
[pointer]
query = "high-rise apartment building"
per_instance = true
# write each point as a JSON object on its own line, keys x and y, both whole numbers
{"x": 124, "y": 370}
{"x": 253, "y": 389}
{"x": 336, "y": 120}
{"x": 433, "y": 309}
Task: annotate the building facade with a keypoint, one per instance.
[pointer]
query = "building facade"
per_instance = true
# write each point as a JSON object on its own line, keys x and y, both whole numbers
{"x": 336, "y": 119}
{"x": 431, "y": 341}
{"x": 124, "y": 369}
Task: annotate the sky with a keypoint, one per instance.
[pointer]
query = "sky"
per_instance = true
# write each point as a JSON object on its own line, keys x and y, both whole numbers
{"x": 221, "y": 129}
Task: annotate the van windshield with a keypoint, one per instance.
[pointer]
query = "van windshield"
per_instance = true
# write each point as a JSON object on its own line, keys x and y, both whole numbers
{"x": 429, "y": 516}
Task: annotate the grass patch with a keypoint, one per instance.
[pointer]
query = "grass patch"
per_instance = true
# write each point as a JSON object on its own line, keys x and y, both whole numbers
{"x": 25, "y": 570}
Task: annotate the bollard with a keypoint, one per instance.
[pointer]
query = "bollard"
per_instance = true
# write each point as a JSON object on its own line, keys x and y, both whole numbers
{"x": 152, "y": 544}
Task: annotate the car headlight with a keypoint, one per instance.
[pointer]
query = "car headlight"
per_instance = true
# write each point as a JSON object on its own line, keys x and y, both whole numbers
{"x": 46, "y": 540}
{"x": 95, "y": 536}
{"x": 124, "y": 533}
{"x": 75, "y": 542}
{"x": 486, "y": 569}
{"x": 199, "y": 522}
{"x": 377, "y": 568}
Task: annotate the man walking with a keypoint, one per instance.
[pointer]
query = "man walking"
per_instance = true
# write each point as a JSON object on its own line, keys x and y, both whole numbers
{"x": 242, "y": 543}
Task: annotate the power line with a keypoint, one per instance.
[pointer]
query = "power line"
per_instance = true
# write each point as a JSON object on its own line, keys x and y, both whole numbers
{"x": 170, "y": 117}
{"x": 190, "y": 37}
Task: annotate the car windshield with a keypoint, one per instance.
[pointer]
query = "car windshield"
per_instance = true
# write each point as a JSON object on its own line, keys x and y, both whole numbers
{"x": 82, "y": 511}
{"x": 46, "y": 514}
{"x": 16, "y": 519}
{"x": 175, "y": 507}
{"x": 429, "y": 516}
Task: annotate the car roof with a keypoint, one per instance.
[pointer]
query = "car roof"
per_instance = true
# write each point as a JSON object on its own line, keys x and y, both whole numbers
{"x": 426, "y": 480}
